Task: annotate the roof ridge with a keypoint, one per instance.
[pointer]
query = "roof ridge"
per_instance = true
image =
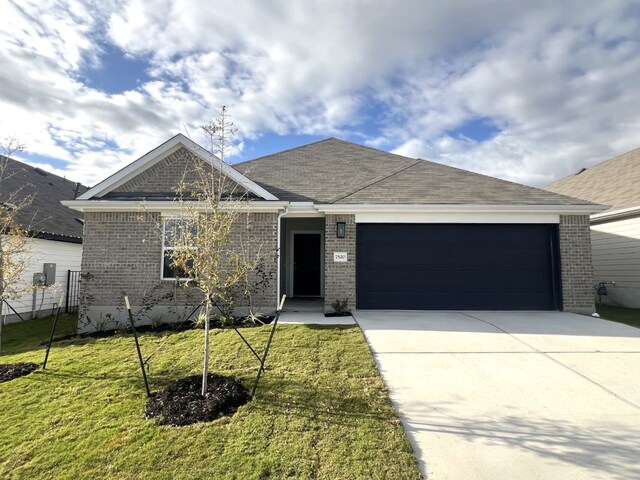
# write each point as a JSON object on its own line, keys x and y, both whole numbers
{"x": 23, "y": 164}
{"x": 378, "y": 150}
{"x": 285, "y": 151}
{"x": 365, "y": 185}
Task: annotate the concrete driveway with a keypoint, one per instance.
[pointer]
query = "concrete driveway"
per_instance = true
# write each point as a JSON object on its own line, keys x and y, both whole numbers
{"x": 504, "y": 395}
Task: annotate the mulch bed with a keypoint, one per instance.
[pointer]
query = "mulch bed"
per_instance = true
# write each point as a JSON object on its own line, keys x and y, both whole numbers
{"x": 181, "y": 403}
{"x": 14, "y": 370}
{"x": 239, "y": 322}
{"x": 334, "y": 314}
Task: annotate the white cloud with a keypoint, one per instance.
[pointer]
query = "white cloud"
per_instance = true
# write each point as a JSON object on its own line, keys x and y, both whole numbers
{"x": 557, "y": 78}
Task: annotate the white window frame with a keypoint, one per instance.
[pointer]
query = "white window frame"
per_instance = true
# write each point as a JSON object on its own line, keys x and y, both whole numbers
{"x": 165, "y": 248}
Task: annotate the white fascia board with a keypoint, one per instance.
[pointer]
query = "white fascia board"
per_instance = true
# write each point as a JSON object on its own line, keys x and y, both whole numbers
{"x": 614, "y": 214}
{"x": 302, "y": 210}
{"x": 160, "y": 152}
{"x": 458, "y": 217}
{"x": 442, "y": 208}
{"x": 169, "y": 206}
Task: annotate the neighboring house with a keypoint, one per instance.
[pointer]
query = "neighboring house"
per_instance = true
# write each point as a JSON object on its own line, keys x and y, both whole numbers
{"x": 381, "y": 230}
{"x": 55, "y": 235}
{"x": 615, "y": 233}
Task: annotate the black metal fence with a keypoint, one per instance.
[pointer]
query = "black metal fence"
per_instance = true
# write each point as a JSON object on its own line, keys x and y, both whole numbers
{"x": 73, "y": 291}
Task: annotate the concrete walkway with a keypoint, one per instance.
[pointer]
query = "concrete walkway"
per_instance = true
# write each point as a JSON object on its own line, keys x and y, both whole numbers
{"x": 313, "y": 318}
{"x": 501, "y": 395}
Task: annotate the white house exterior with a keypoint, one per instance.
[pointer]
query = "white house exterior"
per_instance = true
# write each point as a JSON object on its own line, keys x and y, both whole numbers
{"x": 615, "y": 233}
{"x": 56, "y": 237}
{"x": 41, "y": 301}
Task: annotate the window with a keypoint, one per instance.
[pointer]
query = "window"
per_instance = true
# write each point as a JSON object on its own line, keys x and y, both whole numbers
{"x": 177, "y": 234}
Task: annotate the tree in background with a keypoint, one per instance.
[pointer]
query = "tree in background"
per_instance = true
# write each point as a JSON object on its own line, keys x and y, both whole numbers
{"x": 14, "y": 231}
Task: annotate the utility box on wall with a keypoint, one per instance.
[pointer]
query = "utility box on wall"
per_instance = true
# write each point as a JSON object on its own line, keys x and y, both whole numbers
{"x": 49, "y": 273}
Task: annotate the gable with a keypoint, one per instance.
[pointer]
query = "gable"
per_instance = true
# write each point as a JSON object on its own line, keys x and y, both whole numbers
{"x": 164, "y": 176}
{"x": 161, "y": 170}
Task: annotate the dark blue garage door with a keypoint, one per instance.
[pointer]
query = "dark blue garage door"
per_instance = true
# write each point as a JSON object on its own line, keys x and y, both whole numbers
{"x": 458, "y": 267}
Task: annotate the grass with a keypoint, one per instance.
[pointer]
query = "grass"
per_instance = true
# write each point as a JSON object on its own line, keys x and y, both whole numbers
{"x": 630, "y": 316}
{"x": 321, "y": 410}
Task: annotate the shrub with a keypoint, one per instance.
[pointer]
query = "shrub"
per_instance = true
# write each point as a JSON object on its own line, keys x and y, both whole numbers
{"x": 341, "y": 306}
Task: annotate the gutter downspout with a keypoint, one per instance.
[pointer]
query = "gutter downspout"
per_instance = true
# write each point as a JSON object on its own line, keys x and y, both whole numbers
{"x": 280, "y": 215}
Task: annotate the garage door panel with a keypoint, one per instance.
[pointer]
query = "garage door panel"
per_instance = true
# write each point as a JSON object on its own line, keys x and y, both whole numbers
{"x": 496, "y": 282}
{"x": 412, "y": 266}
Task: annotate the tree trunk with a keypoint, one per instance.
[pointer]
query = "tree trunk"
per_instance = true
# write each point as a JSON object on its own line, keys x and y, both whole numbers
{"x": 205, "y": 368}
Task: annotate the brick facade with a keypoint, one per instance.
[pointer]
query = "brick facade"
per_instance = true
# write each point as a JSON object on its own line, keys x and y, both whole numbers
{"x": 340, "y": 278}
{"x": 165, "y": 175}
{"x": 123, "y": 253}
{"x": 575, "y": 261}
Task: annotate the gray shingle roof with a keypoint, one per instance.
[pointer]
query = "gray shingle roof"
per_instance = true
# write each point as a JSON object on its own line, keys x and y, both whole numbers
{"x": 46, "y": 216}
{"x": 614, "y": 182}
{"x": 336, "y": 171}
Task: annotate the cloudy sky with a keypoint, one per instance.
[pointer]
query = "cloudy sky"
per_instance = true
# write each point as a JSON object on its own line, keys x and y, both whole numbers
{"x": 527, "y": 91}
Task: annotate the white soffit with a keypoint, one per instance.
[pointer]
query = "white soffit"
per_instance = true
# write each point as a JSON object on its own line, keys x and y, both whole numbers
{"x": 166, "y": 206}
{"x": 160, "y": 152}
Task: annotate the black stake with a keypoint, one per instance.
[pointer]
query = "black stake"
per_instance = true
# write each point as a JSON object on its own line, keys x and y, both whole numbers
{"x": 53, "y": 331}
{"x": 266, "y": 350}
{"x": 248, "y": 345}
{"x": 135, "y": 337}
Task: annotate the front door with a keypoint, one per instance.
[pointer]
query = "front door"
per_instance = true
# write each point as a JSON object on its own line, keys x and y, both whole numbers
{"x": 307, "y": 264}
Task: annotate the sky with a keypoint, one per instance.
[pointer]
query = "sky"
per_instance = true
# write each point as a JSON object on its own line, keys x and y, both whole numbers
{"x": 521, "y": 90}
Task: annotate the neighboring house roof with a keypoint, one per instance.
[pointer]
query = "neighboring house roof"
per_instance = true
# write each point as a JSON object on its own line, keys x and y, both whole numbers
{"x": 614, "y": 182}
{"x": 45, "y": 216}
{"x": 158, "y": 154}
{"x": 334, "y": 171}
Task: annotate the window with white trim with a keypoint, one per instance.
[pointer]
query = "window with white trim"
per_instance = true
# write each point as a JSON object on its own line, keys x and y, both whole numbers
{"x": 176, "y": 234}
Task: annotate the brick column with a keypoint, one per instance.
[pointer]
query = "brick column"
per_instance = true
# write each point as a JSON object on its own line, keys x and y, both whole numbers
{"x": 576, "y": 267}
{"x": 339, "y": 277}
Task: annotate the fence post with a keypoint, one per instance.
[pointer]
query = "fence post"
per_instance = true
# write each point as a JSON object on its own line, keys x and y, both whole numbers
{"x": 66, "y": 300}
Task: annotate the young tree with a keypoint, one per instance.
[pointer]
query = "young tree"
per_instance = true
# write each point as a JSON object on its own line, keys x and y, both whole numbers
{"x": 206, "y": 243}
{"x": 14, "y": 231}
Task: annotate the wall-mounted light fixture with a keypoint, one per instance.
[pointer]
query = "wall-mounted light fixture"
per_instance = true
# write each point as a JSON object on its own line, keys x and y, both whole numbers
{"x": 341, "y": 229}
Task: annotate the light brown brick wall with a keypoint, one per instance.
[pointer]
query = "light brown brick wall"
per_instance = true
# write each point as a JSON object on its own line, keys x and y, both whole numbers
{"x": 167, "y": 174}
{"x": 576, "y": 267}
{"x": 340, "y": 278}
{"x": 123, "y": 253}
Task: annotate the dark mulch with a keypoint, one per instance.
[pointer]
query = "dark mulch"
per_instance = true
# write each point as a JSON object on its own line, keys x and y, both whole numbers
{"x": 14, "y": 370}
{"x": 182, "y": 403}
{"x": 334, "y": 314}
{"x": 240, "y": 322}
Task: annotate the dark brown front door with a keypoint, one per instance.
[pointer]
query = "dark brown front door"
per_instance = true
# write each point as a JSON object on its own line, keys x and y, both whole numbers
{"x": 306, "y": 264}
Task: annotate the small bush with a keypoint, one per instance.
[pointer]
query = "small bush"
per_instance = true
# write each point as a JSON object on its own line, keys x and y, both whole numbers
{"x": 341, "y": 306}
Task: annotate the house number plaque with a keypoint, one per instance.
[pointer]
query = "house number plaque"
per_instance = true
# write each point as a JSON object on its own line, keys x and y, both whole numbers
{"x": 339, "y": 256}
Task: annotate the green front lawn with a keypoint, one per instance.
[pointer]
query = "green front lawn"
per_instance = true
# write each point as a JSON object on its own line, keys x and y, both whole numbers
{"x": 630, "y": 316}
{"x": 321, "y": 410}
